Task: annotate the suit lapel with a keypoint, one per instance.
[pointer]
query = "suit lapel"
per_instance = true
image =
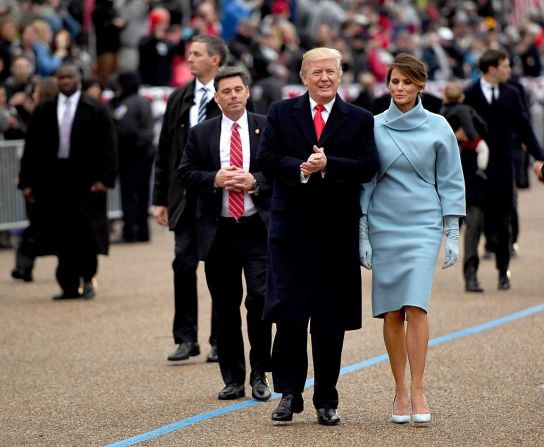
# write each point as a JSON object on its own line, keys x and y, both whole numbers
{"x": 254, "y": 137}
{"x": 215, "y": 140}
{"x": 303, "y": 117}
{"x": 337, "y": 119}
{"x": 187, "y": 102}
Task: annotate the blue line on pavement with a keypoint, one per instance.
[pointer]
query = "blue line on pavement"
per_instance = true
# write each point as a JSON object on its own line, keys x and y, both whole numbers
{"x": 179, "y": 425}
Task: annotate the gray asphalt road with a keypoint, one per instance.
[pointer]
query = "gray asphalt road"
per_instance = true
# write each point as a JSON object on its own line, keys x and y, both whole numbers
{"x": 95, "y": 373}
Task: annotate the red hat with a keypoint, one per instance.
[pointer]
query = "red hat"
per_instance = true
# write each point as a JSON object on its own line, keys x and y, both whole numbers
{"x": 158, "y": 16}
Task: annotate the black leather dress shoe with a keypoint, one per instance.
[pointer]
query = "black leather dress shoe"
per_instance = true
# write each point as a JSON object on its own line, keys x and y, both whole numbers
{"x": 327, "y": 416}
{"x": 232, "y": 391}
{"x": 472, "y": 285}
{"x": 25, "y": 276}
{"x": 185, "y": 350}
{"x": 67, "y": 296}
{"x": 288, "y": 405}
{"x": 212, "y": 355}
{"x": 88, "y": 292}
{"x": 259, "y": 387}
{"x": 504, "y": 282}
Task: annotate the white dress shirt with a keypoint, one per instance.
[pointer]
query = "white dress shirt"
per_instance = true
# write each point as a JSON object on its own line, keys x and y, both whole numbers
{"x": 224, "y": 156}
{"x": 61, "y": 105}
{"x": 325, "y": 115}
{"x": 193, "y": 113}
{"x": 487, "y": 90}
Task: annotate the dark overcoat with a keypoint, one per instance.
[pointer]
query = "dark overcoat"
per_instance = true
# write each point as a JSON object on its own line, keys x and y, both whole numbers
{"x": 62, "y": 203}
{"x": 505, "y": 118}
{"x": 199, "y": 166}
{"x": 173, "y": 138}
{"x": 313, "y": 264}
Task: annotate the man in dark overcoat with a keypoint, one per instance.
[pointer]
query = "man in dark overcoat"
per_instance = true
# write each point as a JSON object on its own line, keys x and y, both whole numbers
{"x": 68, "y": 163}
{"x": 174, "y": 205}
{"x": 317, "y": 150}
{"x": 501, "y": 107}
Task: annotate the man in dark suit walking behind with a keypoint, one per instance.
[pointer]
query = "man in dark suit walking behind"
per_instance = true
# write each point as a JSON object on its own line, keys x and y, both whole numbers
{"x": 233, "y": 204}
{"x": 69, "y": 161}
{"x": 318, "y": 150}
{"x": 500, "y": 105}
{"x": 174, "y": 205}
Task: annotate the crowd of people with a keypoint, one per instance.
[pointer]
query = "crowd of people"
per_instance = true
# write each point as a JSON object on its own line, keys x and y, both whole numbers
{"x": 242, "y": 176}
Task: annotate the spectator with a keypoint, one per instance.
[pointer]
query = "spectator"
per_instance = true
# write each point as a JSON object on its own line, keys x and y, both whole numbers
{"x": 66, "y": 169}
{"x": 157, "y": 51}
{"x": 107, "y": 26}
{"x": 132, "y": 116}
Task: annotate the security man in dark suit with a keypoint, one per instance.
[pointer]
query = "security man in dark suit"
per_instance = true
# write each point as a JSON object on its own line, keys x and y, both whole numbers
{"x": 174, "y": 206}
{"x": 69, "y": 161}
{"x": 500, "y": 105}
{"x": 317, "y": 149}
{"x": 232, "y": 208}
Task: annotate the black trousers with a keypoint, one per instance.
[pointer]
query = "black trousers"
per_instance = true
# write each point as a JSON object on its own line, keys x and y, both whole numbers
{"x": 497, "y": 222}
{"x": 185, "y": 325}
{"x": 474, "y": 225}
{"x": 77, "y": 259}
{"x": 134, "y": 176}
{"x": 237, "y": 248}
{"x": 290, "y": 362}
{"x": 71, "y": 227}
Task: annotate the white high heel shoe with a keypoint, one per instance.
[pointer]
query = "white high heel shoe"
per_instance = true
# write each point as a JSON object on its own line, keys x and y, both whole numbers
{"x": 399, "y": 418}
{"x": 421, "y": 418}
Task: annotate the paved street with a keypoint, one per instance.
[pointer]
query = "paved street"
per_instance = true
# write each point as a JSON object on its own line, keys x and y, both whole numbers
{"x": 94, "y": 373}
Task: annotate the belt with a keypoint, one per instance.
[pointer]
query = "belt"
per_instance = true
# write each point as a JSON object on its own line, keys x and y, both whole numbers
{"x": 244, "y": 220}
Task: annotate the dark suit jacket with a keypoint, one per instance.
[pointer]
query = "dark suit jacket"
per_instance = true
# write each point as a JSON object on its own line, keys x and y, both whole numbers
{"x": 199, "y": 167}
{"x": 506, "y": 118}
{"x": 93, "y": 157}
{"x": 313, "y": 265}
{"x": 172, "y": 141}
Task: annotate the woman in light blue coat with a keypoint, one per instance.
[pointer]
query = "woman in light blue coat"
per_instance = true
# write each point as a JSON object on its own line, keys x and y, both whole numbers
{"x": 417, "y": 193}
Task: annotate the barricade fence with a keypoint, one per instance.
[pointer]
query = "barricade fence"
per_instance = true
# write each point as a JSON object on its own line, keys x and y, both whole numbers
{"x": 12, "y": 204}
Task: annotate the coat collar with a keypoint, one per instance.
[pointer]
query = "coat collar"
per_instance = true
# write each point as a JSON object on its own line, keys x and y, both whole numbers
{"x": 303, "y": 116}
{"x": 397, "y": 120}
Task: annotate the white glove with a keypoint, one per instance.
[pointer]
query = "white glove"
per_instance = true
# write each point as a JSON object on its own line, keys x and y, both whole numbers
{"x": 365, "y": 250}
{"x": 451, "y": 248}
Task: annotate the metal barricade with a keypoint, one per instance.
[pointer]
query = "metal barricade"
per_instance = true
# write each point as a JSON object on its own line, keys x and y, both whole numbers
{"x": 12, "y": 204}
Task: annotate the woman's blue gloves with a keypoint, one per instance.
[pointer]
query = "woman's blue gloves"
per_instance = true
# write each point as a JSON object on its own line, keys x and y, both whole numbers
{"x": 451, "y": 230}
{"x": 365, "y": 250}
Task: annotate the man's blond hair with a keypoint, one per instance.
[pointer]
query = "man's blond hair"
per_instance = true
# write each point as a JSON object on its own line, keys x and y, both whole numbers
{"x": 318, "y": 54}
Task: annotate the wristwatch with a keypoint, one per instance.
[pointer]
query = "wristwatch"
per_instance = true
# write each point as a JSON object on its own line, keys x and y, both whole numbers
{"x": 254, "y": 187}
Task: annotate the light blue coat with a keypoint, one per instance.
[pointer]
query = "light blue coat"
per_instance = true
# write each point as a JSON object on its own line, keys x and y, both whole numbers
{"x": 420, "y": 180}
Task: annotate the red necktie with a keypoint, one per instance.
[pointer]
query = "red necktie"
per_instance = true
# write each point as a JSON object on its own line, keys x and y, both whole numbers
{"x": 319, "y": 123}
{"x": 236, "y": 199}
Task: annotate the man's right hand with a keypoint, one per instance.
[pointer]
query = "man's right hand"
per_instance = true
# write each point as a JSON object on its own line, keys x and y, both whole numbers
{"x": 160, "y": 213}
{"x": 27, "y": 194}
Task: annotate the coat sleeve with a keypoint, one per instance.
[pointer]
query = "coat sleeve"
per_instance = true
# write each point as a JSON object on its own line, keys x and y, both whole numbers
{"x": 109, "y": 162}
{"x": 28, "y": 166}
{"x": 162, "y": 167}
{"x": 366, "y": 194}
{"x": 191, "y": 172}
{"x": 363, "y": 163}
{"x": 524, "y": 130}
{"x": 450, "y": 183}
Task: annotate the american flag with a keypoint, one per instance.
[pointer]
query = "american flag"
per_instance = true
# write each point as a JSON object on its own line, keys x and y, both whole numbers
{"x": 520, "y": 8}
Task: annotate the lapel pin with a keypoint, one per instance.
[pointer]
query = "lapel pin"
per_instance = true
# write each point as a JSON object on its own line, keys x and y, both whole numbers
{"x": 257, "y": 131}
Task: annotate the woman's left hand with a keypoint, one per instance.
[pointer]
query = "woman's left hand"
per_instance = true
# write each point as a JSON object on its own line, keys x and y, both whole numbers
{"x": 451, "y": 248}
